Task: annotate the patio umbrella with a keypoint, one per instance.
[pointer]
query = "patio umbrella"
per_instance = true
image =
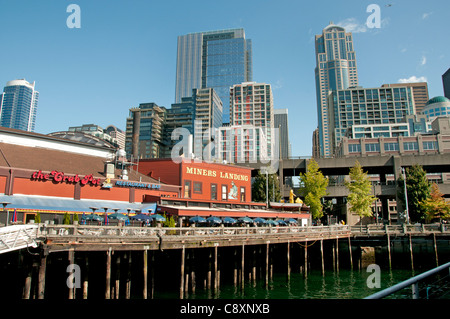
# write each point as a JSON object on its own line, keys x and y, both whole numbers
{"x": 260, "y": 220}
{"x": 229, "y": 220}
{"x": 118, "y": 216}
{"x": 141, "y": 217}
{"x": 281, "y": 222}
{"x": 246, "y": 220}
{"x": 292, "y": 221}
{"x": 106, "y": 218}
{"x": 197, "y": 219}
{"x": 14, "y": 217}
{"x": 94, "y": 217}
{"x": 158, "y": 218}
{"x": 214, "y": 220}
{"x": 271, "y": 222}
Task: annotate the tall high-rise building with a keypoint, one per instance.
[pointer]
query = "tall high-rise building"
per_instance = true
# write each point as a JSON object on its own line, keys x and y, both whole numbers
{"x": 335, "y": 70}
{"x": 281, "y": 122}
{"x": 252, "y": 104}
{"x": 420, "y": 93}
{"x": 215, "y": 59}
{"x": 367, "y": 107}
{"x": 446, "y": 83}
{"x": 18, "y": 105}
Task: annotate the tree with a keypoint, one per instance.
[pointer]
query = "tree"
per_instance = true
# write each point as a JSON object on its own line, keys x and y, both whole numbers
{"x": 418, "y": 189}
{"x": 435, "y": 206}
{"x": 66, "y": 218}
{"x": 360, "y": 198}
{"x": 259, "y": 188}
{"x": 314, "y": 188}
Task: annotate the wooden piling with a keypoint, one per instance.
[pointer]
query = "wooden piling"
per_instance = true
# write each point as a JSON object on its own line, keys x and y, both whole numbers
{"x": 152, "y": 276}
{"x": 337, "y": 254}
{"x": 435, "y": 250}
{"x": 216, "y": 274}
{"x": 254, "y": 266}
{"x": 267, "y": 264}
{"x": 117, "y": 284}
{"x": 411, "y": 252}
{"x": 28, "y": 277}
{"x": 235, "y": 270}
{"x": 242, "y": 265}
{"x": 193, "y": 260}
{"x": 306, "y": 258}
{"x": 41, "y": 277}
{"x": 350, "y": 252}
{"x": 71, "y": 258}
{"x": 128, "y": 282}
{"x": 145, "y": 274}
{"x": 182, "y": 273}
{"x": 108, "y": 274}
{"x": 389, "y": 249}
{"x": 288, "y": 256}
{"x": 321, "y": 257}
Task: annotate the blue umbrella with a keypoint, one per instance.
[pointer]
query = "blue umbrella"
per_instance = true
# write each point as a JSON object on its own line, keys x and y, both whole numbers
{"x": 260, "y": 220}
{"x": 292, "y": 221}
{"x": 93, "y": 217}
{"x": 158, "y": 218}
{"x": 141, "y": 217}
{"x": 214, "y": 220}
{"x": 197, "y": 219}
{"x": 271, "y": 222}
{"x": 281, "y": 222}
{"x": 118, "y": 216}
{"x": 229, "y": 220}
{"x": 246, "y": 220}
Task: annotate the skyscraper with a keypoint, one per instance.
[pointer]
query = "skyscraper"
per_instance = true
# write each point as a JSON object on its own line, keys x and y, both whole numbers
{"x": 252, "y": 104}
{"x": 215, "y": 59}
{"x": 281, "y": 122}
{"x": 420, "y": 93}
{"x": 335, "y": 70}
{"x": 18, "y": 105}
{"x": 446, "y": 83}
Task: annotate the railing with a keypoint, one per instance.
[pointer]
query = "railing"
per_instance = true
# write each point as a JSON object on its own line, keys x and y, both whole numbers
{"x": 17, "y": 237}
{"x": 400, "y": 229}
{"x": 127, "y": 231}
{"x": 413, "y": 283}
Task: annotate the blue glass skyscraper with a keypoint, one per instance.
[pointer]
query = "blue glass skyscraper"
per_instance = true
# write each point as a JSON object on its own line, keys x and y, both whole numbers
{"x": 215, "y": 59}
{"x": 18, "y": 105}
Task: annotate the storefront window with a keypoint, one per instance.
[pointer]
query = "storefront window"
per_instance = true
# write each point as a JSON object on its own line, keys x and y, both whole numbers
{"x": 198, "y": 187}
{"x": 224, "y": 192}
{"x": 187, "y": 189}
{"x": 213, "y": 191}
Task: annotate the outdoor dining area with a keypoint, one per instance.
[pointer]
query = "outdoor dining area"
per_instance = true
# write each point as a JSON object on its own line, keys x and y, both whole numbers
{"x": 131, "y": 218}
{"x": 212, "y": 221}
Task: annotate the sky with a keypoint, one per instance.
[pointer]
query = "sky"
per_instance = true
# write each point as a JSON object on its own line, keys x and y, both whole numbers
{"x": 124, "y": 52}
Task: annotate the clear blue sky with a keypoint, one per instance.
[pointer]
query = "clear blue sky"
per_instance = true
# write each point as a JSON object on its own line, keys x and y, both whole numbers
{"x": 125, "y": 52}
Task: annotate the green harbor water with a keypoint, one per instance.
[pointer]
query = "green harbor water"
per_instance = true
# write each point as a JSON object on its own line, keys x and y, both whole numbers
{"x": 345, "y": 284}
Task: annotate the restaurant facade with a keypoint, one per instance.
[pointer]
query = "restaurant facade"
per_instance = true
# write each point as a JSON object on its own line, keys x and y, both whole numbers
{"x": 53, "y": 176}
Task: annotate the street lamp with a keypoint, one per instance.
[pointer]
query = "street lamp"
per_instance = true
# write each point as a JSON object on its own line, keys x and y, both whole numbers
{"x": 406, "y": 195}
{"x": 7, "y": 212}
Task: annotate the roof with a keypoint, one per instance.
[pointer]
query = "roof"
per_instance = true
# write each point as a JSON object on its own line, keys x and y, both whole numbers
{"x": 438, "y": 99}
{"x": 38, "y": 158}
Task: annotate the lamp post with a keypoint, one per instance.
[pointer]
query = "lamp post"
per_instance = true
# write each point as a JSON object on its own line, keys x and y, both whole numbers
{"x": 7, "y": 212}
{"x": 406, "y": 195}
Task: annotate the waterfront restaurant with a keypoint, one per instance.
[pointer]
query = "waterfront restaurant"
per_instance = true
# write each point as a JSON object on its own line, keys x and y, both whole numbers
{"x": 53, "y": 176}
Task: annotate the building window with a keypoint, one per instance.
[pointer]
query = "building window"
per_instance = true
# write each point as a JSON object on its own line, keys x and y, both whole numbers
{"x": 391, "y": 147}
{"x": 375, "y": 147}
{"x": 187, "y": 189}
{"x": 197, "y": 187}
{"x": 224, "y": 192}
{"x": 430, "y": 145}
{"x": 213, "y": 191}
{"x": 242, "y": 194}
{"x": 410, "y": 146}
{"x": 354, "y": 148}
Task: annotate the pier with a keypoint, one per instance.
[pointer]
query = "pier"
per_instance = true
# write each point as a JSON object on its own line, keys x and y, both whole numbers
{"x": 129, "y": 261}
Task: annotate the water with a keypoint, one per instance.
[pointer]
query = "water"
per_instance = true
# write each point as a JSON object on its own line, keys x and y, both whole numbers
{"x": 345, "y": 284}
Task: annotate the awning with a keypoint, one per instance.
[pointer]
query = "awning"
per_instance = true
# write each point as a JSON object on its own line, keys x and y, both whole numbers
{"x": 54, "y": 205}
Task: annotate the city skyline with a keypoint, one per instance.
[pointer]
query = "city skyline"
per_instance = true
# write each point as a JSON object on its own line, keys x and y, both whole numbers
{"x": 119, "y": 58}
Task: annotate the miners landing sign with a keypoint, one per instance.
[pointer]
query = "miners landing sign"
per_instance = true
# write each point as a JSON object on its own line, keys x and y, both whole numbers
{"x": 60, "y": 177}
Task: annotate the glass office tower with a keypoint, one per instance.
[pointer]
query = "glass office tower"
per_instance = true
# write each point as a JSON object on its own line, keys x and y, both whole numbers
{"x": 335, "y": 70}
{"x": 18, "y": 105}
{"x": 215, "y": 59}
